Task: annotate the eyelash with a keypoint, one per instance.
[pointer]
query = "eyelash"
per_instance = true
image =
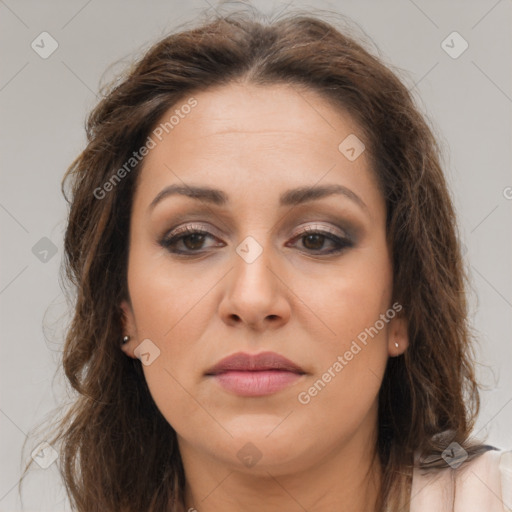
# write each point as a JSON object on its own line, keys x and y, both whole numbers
{"x": 178, "y": 235}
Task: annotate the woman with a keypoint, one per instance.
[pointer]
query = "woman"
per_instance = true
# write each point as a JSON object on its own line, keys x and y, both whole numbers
{"x": 270, "y": 311}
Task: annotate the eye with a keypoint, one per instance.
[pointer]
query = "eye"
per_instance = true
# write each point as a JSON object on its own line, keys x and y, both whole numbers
{"x": 192, "y": 238}
{"x": 313, "y": 239}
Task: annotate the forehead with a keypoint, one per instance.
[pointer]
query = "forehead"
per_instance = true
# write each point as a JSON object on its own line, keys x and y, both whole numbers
{"x": 255, "y": 109}
{"x": 244, "y": 135}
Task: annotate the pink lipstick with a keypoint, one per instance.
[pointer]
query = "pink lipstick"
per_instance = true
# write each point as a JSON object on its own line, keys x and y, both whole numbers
{"x": 255, "y": 375}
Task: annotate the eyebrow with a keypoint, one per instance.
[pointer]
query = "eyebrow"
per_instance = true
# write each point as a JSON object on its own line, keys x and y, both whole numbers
{"x": 291, "y": 197}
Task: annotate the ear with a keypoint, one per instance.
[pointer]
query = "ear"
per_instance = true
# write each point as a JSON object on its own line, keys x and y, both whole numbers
{"x": 398, "y": 334}
{"x": 129, "y": 329}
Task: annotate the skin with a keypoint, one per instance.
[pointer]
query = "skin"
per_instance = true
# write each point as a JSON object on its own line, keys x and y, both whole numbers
{"x": 291, "y": 300}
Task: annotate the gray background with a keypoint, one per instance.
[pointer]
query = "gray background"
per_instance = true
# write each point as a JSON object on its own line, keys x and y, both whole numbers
{"x": 43, "y": 106}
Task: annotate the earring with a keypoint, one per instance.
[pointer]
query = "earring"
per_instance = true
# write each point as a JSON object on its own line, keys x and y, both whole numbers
{"x": 396, "y": 344}
{"x": 126, "y": 339}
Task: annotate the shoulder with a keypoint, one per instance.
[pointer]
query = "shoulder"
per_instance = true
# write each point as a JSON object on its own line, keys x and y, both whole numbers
{"x": 483, "y": 483}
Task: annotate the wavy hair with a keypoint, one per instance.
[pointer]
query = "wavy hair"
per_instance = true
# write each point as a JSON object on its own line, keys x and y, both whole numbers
{"x": 429, "y": 395}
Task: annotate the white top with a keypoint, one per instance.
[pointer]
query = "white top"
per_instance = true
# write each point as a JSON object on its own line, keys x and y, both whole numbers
{"x": 482, "y": 485}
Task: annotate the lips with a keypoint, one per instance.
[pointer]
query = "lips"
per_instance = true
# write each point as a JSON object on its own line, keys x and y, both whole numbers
{"x": 264, "y": 361}
{"x": 257, "y": 375}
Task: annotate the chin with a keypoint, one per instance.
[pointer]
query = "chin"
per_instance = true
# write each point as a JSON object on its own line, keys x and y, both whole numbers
{"x": 265, "y": 445}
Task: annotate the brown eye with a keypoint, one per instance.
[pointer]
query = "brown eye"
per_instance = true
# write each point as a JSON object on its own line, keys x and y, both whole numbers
{"x": 192, "y": 240}
{"x": 196, "y": 240}
{"x": 191, "y": 237}
{"x": 314, "y": 239}
{"x": 313, "y": 242}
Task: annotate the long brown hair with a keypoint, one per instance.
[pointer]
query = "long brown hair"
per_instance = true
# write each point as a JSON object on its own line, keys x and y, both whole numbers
{"x": 429, "y": 396}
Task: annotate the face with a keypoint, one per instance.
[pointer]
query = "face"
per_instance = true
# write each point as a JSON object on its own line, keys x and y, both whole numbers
{"x": 261, "y": 270}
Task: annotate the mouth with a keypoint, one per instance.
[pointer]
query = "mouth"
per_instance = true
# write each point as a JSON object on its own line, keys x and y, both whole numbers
{"x": 255, "y": 375}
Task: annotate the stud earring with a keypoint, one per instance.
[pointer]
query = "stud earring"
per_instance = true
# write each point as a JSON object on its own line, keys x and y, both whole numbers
{"x": 396, "y": 344}
{"x": 126, "y": 339}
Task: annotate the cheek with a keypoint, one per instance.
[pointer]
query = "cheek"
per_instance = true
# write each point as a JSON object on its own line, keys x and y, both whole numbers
{"x": 169, "y": 299}
{"x": 346, "y": 300}
{"x": 351, "y": 358}
{"x": 171, "y": 309}
{"x": 351, "y": 353}
{"x": 340, "y": 404}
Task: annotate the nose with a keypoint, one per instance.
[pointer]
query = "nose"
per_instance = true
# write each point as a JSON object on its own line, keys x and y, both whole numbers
{"x": 257, "y": 294}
